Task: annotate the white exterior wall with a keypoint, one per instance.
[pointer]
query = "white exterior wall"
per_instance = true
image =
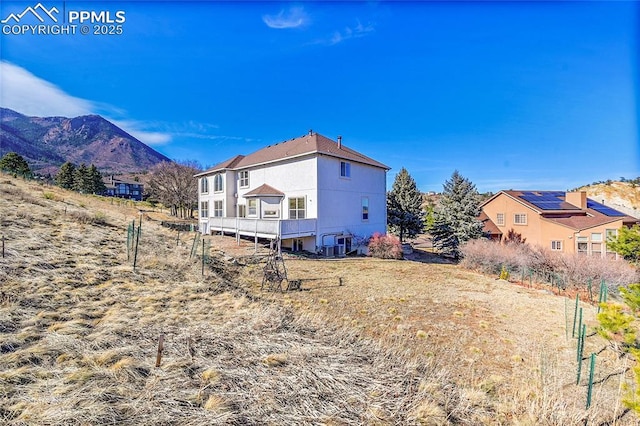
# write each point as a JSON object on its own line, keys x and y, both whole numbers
{"x": 295, "y": 178}
{"x": 335, "y": 202}
{"x": 226, "y": 196}
{"x": 340, "y": 200}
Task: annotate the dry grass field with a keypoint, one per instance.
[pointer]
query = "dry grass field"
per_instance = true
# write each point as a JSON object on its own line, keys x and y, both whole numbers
{"x": 398, "y": 343}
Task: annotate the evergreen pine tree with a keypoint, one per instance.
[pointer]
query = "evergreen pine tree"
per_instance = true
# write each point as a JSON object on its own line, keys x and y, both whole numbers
{"x": 81, "y": 179}
{"x": 65, "y": 177}
{"x": 456, "y": 218}
{"x": 404, "y": 207}
{"x": 14, "y": 163}
{"x": 626, "y": 243}
{"x": 95, "y": 183}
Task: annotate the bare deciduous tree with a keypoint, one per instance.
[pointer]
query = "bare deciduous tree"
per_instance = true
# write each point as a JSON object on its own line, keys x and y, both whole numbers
{"x": 173, "y": 185}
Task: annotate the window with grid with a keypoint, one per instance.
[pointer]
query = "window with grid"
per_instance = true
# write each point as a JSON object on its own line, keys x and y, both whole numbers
{"x": 217, "y": 208}
{"x": 520, "y": 219}
{"x": 204, "y": 185}
{"x": 297, "y": 208}
{"x": 500, "y": 219}
{"x": 252, "y": 207}
{"x": 204, "y": 209}
{"x": 244, "y": 178}
{"x": 556, "y": 245}
{"x": 217, "y": 183}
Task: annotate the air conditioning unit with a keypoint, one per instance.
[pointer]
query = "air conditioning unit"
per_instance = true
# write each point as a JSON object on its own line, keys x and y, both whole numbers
{"x": 328, "y": 251}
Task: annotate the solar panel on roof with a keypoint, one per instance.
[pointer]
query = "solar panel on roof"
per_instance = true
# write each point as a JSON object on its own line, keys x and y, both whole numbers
{"x": 548, "y": 205}
{"x": 605, "y": 210}
{"x": 547, "y": 200}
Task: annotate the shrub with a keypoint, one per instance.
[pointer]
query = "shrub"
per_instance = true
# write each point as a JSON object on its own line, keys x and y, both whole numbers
{"x": 491, "y": 257}
{"x": 99, "y": 218}
{"x": 385, "y": 246}
{"x": 504, "y": 274}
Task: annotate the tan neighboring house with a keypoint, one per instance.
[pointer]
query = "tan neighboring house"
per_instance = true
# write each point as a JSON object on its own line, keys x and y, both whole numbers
{"x": 566, "y": 222}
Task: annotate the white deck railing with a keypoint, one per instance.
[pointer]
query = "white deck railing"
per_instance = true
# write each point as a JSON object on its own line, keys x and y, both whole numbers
{"x": 265, "y": 228}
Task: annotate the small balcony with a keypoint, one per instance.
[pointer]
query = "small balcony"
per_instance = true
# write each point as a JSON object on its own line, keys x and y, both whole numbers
{"x": 264, "y": 228}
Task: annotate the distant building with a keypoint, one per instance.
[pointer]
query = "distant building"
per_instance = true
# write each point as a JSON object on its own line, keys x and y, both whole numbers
{"x": 123, "y": 188}
{"x": 311, "y": 192}
{"x": 566, "y": 222}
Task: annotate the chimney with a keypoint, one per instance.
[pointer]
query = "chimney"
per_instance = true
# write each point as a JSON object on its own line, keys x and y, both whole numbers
{"x": 577, "y": 198}
{"x": 310, "y": 132}
{"x": 339, "y": 142}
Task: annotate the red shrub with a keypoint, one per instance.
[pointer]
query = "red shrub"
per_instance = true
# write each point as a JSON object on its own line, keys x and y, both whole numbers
{"x": 385, "y": 246}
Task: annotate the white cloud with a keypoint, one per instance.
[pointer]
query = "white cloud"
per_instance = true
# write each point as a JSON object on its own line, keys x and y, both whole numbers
{"x": 28, "y": 94}
{"x": 134, "y": 128}
{"x": 31, "y": 95}
{"x": 351, "y": 32}
{"x": 294, "y": 17}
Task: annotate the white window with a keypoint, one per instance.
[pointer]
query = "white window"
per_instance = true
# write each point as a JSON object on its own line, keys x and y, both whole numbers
{"x": 270, "y": 213}
{"x": 297, "y": 208}
{"x": 244, "y": 178}
{"x": 556, "y": 245}
{"x": 217, "y": 208}
{"x": 252, "y": 206}
{"x": 204, "y": 185}
{"x": 204, "y": 209}
{"x": 365, "y": 208}
{"x": 345, "y": 169}
{"x": 596, "y": 249}
{"x": 242, "y": 210}
{"x": 217, "y": 183}
{"x": 596, "y": 237}
{"x": 500, "y": 219}
{"x": 520, "y": 219}
{"x": 583, "y": 248}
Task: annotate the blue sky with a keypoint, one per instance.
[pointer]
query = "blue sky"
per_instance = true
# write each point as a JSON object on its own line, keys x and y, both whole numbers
{"x": 522, "y": 95}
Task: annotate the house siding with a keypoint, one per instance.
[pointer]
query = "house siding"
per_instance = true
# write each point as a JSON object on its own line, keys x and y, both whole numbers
{"x": 340, "y": 199}
{"x": 541, "y": 230}
{"x": 510, "y": 207}
{"x": 296, "y": 178}
{"x": 332, "y": 204}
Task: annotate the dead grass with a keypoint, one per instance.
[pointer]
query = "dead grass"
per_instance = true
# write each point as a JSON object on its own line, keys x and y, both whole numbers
{"x": 399, "y": 343}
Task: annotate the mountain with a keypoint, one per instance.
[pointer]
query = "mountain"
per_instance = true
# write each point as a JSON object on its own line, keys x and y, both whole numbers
{"x": 48, "y": 142}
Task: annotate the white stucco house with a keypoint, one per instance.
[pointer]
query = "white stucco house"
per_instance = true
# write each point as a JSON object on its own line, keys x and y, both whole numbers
{"x": 310, "y": 192}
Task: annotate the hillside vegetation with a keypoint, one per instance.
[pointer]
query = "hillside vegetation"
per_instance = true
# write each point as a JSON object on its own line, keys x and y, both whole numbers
{"x": 367, "y": 342}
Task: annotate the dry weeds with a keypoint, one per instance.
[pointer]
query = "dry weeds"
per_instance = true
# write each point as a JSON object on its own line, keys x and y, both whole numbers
{"x": 399, "y": 343}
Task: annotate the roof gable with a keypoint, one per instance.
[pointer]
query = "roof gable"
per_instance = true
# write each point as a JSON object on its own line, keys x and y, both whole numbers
{"x": 312, "y": 143}
{"x": 264, "y": 190}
